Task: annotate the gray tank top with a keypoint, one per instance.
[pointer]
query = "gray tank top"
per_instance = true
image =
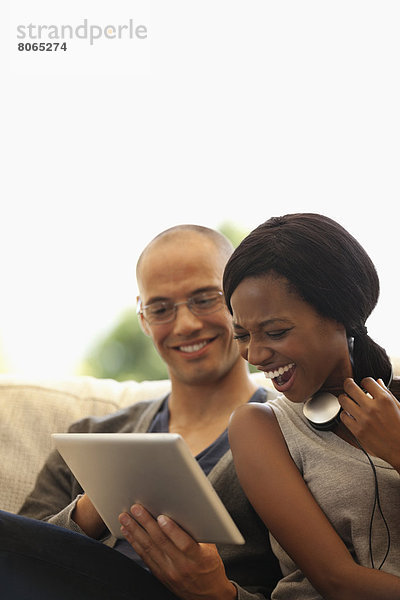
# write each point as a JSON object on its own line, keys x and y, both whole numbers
{"x": 341, "y": 480}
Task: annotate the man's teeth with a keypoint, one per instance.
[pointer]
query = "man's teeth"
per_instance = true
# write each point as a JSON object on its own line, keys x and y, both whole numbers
{"x": 193, "y": 348}
{"x": 280, "y": 371}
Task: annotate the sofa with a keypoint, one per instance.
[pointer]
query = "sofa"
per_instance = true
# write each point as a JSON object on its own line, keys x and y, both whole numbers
{"x": 31, "y": 409}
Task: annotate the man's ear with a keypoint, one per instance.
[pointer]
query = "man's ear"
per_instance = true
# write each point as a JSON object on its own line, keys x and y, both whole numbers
{"x": 144, "y": 325}
{"x": 142, "y": 321}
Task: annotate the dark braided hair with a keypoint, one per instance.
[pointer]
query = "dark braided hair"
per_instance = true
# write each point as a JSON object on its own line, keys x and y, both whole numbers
{"x": 327, "y": 267}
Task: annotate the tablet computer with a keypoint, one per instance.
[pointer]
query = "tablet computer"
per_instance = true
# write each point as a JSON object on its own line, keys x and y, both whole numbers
{"x": 156, "y": 470}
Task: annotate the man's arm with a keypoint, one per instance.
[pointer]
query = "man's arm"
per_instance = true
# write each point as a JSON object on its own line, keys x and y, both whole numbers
{"x": 55, "y": 488}
{"x": 87, "y": 518}
{"x": 57, "y": 498}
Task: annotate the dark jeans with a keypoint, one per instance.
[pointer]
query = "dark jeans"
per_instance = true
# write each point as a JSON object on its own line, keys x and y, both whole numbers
{"x": 39, "y": 561}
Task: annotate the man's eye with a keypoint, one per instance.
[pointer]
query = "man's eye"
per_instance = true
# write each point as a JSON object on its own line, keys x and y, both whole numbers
{"x": 204, "y": 300}
{"x": 159, "y": 309}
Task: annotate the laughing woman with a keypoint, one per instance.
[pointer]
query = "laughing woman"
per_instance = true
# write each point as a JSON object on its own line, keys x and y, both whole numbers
{"x": 327, "y": 486}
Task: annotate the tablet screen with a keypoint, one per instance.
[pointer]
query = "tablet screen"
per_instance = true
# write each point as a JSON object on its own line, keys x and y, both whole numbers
{"x": 156, "y": 470}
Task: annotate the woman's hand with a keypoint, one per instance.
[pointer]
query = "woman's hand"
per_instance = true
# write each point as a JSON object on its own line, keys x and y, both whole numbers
{"x": 372, "y": 414}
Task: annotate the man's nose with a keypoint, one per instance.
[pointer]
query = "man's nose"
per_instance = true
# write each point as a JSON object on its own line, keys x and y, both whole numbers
{"x": 185, "y": 320}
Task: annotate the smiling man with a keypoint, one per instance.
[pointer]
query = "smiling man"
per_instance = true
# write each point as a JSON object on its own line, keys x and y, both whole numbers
{"x": 181, "y": 307}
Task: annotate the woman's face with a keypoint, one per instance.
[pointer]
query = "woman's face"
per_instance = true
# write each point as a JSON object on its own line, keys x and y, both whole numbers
{"x": 285, "y": 337}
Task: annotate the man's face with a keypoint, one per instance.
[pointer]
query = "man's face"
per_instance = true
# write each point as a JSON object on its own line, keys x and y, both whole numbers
{"x": 197, "y": 349}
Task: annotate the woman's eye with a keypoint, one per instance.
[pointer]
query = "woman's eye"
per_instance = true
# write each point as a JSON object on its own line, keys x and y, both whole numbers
{"x": 276, "y": 335}
{"x": 240, "y": 337}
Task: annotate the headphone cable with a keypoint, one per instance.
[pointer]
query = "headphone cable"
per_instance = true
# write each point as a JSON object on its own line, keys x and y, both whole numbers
{"x": 377, "y": 502}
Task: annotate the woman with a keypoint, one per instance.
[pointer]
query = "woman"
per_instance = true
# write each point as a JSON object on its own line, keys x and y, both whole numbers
{"x": 300, "y": 289}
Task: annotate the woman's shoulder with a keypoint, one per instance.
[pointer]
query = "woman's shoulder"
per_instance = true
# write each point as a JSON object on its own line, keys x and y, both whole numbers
{"x": 252, "y": 410}
{"x": 252, "y": 417}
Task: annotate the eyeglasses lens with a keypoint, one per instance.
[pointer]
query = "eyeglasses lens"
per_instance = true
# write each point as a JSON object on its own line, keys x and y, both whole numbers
{"x": 164, "y": 311}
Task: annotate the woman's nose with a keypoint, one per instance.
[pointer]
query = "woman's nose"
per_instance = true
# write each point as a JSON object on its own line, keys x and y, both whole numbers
{"x": 257, "y": 352}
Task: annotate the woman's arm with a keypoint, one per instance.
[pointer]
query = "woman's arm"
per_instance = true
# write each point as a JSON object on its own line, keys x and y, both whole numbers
{"x": 283, "y": 501}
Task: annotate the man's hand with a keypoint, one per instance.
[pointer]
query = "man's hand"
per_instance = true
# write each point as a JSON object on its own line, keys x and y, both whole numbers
{"x": 192, "y": 571}
{"x": 86, "y": 516}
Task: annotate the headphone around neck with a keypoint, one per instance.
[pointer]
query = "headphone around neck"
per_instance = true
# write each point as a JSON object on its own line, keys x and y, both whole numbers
{"x": 322, "y": 411}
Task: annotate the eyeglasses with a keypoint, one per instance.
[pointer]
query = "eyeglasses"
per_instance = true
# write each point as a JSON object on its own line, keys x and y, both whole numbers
{"x": 164, "y": 311}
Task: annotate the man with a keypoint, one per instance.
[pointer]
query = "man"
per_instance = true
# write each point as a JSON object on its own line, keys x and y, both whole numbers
{"x": 181, "y": 308}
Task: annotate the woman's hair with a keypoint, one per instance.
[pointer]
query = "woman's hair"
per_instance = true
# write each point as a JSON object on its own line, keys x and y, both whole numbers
{"x": 327, "y": 268}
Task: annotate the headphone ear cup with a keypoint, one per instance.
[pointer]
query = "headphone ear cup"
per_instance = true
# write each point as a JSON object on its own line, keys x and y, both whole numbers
{"x": 322, "y": 411}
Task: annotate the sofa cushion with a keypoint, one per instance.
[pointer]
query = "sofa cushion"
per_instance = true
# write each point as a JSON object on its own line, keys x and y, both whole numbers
{"x": 30, "y": 410}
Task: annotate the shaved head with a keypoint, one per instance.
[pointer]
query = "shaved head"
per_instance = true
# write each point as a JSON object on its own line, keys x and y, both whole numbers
{"x": 183, "y": 234}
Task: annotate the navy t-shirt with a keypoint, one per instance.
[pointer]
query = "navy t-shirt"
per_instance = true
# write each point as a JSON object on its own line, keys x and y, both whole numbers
{"x": 207, "y": 458}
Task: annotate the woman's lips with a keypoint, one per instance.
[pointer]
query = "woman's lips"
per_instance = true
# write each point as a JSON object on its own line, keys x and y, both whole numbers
{"x": 283, "y": 377}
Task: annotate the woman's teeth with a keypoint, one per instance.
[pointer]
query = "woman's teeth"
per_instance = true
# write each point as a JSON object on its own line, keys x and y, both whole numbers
{"x": 280, "y": 371}
{"x": 193, "y": 347}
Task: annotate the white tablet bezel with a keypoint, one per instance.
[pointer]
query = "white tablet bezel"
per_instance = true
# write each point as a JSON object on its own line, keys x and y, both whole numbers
{"x": 156, "y": 470}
